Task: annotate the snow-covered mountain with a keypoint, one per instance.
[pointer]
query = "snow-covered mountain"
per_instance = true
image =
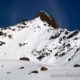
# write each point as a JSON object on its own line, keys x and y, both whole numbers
{"x": 40, "y": 40}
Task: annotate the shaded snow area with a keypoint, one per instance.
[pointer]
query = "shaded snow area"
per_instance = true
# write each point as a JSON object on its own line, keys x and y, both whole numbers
{"x": 34, "y": 50}
{"x": 21, "y": 70}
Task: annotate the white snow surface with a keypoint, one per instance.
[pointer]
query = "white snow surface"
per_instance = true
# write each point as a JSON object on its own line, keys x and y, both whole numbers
{"x": 41, "y": 43}
{"x": 22, "y": 70}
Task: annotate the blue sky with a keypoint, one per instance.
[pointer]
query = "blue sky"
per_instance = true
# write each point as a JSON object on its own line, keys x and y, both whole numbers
{"x": 66, "y": 12}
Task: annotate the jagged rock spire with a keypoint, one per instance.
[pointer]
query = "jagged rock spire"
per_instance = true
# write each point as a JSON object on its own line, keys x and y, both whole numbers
{"x": 49, "y": 19}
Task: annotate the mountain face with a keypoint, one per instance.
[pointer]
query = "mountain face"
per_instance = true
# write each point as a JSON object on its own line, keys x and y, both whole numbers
{"x": 40, "y": 40}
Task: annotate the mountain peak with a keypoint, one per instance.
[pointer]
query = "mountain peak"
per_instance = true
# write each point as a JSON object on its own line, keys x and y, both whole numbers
{"x": 49, "y": 19}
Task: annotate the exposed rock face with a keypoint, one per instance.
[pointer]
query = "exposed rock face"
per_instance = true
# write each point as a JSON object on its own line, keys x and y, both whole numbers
{"x": 25, "y": 58}
{"x": 49, "y": 19}
{"x": 73, "y": 34}
{"x": 77, "y": 65}
{"x": 43, "y": 69}
{"x": 34, "y": 71}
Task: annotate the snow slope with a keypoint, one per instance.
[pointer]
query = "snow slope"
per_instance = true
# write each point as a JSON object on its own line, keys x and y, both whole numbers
{"x": 38, "y": 41}
{"x": 22, "y": 70}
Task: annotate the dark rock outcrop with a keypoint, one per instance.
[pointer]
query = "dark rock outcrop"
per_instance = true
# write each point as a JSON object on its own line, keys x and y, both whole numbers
{"x": 25, "y": 59}
{"x": 21, "y": 67}
{"x": 43, "y": 69}
{"x": 2, "y": 43}
{"x": 77, "y": 65}
{"x": 73, "y": 34}
{"x": 34, "y": 71}
{"x": 49, "y": 19}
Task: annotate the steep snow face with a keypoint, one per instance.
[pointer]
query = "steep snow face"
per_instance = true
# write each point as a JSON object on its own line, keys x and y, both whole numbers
{"x": 39, "y": 42}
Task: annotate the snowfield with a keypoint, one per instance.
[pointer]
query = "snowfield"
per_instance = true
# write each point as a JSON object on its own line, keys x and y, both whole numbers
{"x": 30, "y": 46}
{"x": 21, "y": 70}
